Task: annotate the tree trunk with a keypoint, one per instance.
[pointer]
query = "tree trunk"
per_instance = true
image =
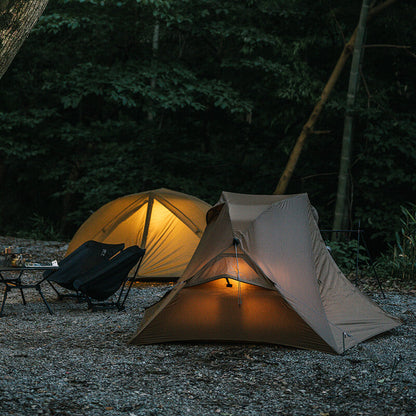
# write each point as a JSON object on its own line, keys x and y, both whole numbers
{"x": 347, "y": 138}
{"x": 17, "y": 18}
{"x": 308, "y": 127}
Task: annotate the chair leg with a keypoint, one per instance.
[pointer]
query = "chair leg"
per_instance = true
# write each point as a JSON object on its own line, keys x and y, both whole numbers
{"x": 23, "y": 296}
{"x": 121, "y": 306}
{"x": 90, "y": 304}
{"x": 132, "y": 279}
{"x": 55, "y": 290}
{"x": 6, "y": 289}
{"x": 44, "y": 300}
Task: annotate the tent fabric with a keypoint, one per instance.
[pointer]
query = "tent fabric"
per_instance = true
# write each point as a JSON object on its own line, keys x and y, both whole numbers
{"x": 285, "y": 286}
{"x": 166, "y": 223}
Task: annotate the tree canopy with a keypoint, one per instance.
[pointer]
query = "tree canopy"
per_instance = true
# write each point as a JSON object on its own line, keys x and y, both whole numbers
{"x": 228, "y": 90}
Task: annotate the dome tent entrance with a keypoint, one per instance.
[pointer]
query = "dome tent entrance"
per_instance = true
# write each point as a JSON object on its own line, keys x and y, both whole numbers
{"x": 166, "y": 223}
{"x": 262, "y": 273}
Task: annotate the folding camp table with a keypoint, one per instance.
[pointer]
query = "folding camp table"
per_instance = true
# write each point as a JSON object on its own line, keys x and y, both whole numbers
{"x": 11, "y": 281}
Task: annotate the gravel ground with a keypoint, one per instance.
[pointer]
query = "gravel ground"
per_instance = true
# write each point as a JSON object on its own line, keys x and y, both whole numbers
{"x": 77, "y": 362}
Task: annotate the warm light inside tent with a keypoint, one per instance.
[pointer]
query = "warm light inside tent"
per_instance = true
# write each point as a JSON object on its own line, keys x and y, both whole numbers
{"x": 211, "y": 311}
{"x": 119, "y": 229}
{"x": 289, "y": 291}
{"x": 166, "y": 223}
{"x": 168, "y": 243}
{"x": 227, "y": 265}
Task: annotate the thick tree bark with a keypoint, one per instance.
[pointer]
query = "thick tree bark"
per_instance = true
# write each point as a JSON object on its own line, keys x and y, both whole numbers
{"x": 17, "y": 18}
{"x": 309, "y": 126}
{"x": 347, "y": 138}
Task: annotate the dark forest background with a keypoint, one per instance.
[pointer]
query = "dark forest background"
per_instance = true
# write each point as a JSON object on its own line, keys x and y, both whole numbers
{"x": 92, "y": 108}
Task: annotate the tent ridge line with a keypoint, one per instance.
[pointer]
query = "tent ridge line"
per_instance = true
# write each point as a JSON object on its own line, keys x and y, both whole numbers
{"x": 202, "y": 269}
{"x": 222, "y": 255}
{"x": 209, "y": 263}
{"x": 247, "y": 231}
{"x": 270, "y": 207}
{"x": 185, "y": 219}
{"x": 229, "y": 276}
{"x": 113, "y": 220}
{"x": 284, "y": 293}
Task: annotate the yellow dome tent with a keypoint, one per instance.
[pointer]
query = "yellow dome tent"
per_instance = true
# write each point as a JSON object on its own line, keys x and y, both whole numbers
{"x": 166, "y": 223}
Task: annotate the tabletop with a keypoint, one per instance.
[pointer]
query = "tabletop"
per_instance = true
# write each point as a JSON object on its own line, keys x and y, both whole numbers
{"x": 33, "y": 268}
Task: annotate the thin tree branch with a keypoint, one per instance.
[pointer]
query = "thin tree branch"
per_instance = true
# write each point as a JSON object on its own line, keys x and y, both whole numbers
{"x": 411, "y": 53}
{"x": 387, "y": 46}
{"x": 376, "y": 10}
{"x": 339, "y": 27}
{"x": 309, "y": 125}
{"x": 321, "y": 132}
{"x": 304, "y": 178}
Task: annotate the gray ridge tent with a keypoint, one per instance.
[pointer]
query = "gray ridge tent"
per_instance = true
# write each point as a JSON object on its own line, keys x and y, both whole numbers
{"x": 262, "y": 273}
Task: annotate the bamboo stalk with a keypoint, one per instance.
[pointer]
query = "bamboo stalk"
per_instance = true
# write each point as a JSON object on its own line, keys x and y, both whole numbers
{"x": 347, "y": 138}
{"x": 309, "y": 125}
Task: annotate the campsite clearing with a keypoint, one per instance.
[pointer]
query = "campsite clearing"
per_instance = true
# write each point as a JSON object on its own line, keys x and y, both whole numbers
{"x": 79, "y": 363}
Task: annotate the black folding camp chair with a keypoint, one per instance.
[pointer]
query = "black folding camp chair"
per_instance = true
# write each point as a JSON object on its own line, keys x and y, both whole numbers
{"x": 86, "y": 257}
{"x": 103, "y": 281}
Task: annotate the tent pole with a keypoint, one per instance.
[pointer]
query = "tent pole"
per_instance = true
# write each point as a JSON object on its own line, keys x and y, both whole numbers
{"x": 236, "y": 242}
{"x": 147, "y": 222}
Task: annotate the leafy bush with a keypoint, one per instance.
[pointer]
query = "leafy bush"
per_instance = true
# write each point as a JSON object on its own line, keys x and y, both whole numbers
{"x": 345, "y": 255}
{"x": 399, "y": 263}
{"x": 40, "y": 229}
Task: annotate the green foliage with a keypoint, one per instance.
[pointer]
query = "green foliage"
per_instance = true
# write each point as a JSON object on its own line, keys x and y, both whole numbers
{"x": 346, "y": 256}
{"x": 89, "y": 111}
{"x": 400, "y": 262}
{"x": 40, "y": 228}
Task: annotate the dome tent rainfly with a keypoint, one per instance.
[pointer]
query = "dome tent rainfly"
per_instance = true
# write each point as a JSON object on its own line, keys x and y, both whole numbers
{"x": 262, "y": 273}
{"x": 166, "y": 223}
